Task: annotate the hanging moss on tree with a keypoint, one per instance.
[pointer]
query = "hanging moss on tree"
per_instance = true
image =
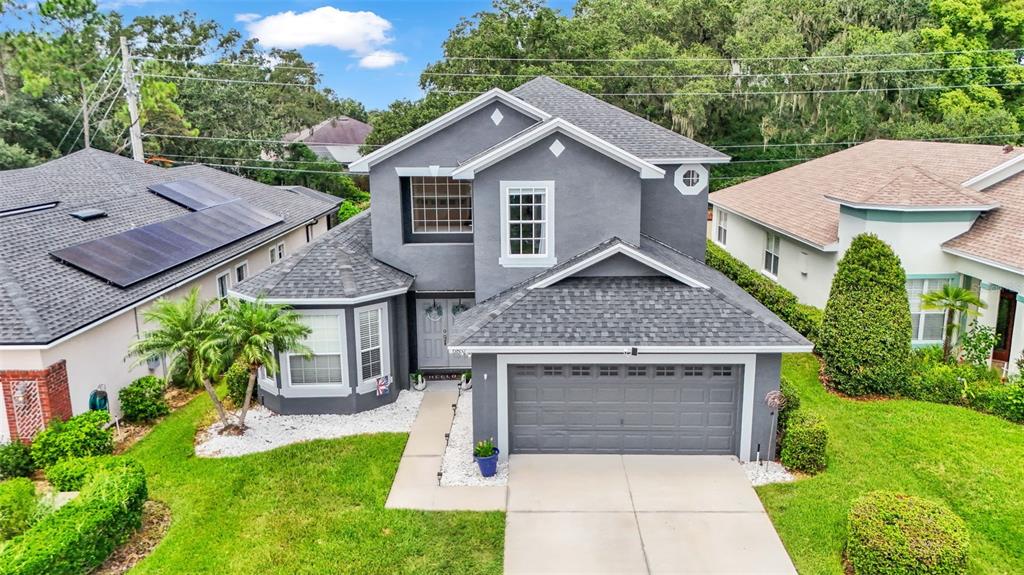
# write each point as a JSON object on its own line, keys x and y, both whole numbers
{"x": 865, "y": 334}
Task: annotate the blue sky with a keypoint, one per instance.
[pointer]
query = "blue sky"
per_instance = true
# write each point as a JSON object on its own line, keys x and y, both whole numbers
{"x": 370, "y": 51}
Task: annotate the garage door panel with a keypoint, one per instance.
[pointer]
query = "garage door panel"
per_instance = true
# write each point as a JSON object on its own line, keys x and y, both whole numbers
{"x": 625, "y": 409}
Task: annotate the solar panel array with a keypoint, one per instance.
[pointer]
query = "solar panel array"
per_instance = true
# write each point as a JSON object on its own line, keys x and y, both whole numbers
{"x": 192, "y": 194}
{"x": 129, "y": 257}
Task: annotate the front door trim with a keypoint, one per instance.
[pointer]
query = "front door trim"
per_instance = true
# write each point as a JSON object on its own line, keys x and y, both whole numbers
{"x": 748, "y": 361}
{"x": 1003, "y": 354}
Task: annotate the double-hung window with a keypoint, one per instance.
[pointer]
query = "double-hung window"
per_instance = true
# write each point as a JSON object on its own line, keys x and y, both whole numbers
{"x": 527, "y": 224}
{"x": 222, "y": 284}
{"x": 241, "y": 271}
{"x": 927, "y": 324}
{"x": 372, "y": 343}
{"x": 772, "y": 244}
{"x": 326, "y": 341}
{"x": 277, "y": 253}
{"x": 722, "y": 231}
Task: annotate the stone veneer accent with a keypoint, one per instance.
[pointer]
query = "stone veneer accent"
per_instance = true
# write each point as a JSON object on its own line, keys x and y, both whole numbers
{"x": 44, "y": 393}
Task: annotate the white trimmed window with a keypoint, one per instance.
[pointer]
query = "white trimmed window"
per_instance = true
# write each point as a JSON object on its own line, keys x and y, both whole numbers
{"x": 722, "y": 230}
{"x": 241, "y": 271}
{"x": 441, "y": 205}
{"x": 527, "y": 224}
{"x": 326, "y": 341}
{"x": 372, "y": 343}
{"x": 927, "y": 324}
{"x": 223, "y": 284}
{"x": 772, "y": 245}
{"x": 277, "y": 253}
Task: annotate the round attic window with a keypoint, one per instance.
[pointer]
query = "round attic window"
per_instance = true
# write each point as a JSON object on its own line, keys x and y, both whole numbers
{"x": 690, "y": 179}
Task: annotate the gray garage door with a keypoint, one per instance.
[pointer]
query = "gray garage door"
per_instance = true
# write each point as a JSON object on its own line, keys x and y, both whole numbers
{"x": 688, "y": 409}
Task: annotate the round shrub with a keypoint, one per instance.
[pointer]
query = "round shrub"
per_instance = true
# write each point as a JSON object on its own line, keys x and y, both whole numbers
{"x": 143, "y": 399}
{"x": 805, "y": 443}
{"x": 896, "y": 534}
{"x": 237, "y": 379}
{"x": 865, "y": 332}
{"x": 70, "y": 474}
{"x": 792, "y": 402}
{"x": 19, "y": 507}
{"x": 81, "y": 436}
{"x": 16, "y": 460}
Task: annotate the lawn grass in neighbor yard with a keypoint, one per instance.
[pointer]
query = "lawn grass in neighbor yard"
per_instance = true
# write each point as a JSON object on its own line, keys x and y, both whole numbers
{"x": 972, "y": 462}
{"x": 315, "y": 507}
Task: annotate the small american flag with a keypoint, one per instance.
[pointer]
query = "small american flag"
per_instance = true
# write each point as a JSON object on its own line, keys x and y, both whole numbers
{"x": 383, "y": 385}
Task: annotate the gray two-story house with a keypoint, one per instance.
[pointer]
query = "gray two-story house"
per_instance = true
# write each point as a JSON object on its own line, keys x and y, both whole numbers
{"x": 554, "y": 244}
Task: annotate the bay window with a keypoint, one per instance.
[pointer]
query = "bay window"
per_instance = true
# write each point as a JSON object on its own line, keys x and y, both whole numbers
{"x": 326, "y": 341}
{"x": 372, "y": 345}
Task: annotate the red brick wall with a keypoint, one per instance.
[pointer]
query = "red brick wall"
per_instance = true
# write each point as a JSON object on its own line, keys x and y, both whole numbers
{"x": 44, "y": 395}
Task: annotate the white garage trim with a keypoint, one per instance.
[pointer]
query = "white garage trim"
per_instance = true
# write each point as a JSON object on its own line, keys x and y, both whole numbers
{"x": 748, "y": 361}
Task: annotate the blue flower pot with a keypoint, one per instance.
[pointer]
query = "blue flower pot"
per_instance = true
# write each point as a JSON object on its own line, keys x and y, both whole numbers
{"x": 488, "y": 465}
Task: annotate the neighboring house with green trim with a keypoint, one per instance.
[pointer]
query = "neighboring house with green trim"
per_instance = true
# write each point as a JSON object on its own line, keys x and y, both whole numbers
{"x": 952, "y": 212}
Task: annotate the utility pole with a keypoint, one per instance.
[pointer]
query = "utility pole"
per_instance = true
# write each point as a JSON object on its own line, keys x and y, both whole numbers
{"x": 131, "y": 94}
{"x": 85, "y": 117}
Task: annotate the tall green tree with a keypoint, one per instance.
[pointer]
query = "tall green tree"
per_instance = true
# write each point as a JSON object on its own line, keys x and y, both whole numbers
{"x": 254, "y": 333}
{"x": 957, "y": 302}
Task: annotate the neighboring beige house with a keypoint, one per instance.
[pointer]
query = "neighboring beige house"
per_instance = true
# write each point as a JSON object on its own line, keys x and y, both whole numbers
{"x": 92, "y": 239}
{"x": 337, "y": 139}
{"x": 952, "y": 212}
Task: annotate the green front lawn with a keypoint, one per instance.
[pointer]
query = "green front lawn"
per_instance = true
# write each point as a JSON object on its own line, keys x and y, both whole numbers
{"x": 972, "y": 462}
{"x": 309, "y": 508}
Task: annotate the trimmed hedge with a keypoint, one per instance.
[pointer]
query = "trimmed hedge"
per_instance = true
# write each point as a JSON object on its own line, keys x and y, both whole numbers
{"x": 143, "y": 399}
{"x": 789, "y": 391}
{"x": 81, "y": 436}
{"x": 19, "y": 507}
{"x": 1004, "y": 400}
{"x": 896, "y": 534}
{"x": 70, "y": 474}
{"x": 805, "y": 443}
{"x": 865, "y": 333}
{"x": 16, "y": 460}
{"x": 805, "y": 319}
{"x": 79, "y": 536}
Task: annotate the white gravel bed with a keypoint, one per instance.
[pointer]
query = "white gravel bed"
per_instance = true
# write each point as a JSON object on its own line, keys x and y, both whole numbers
{"x": 458, "y": 466}
{"x": 266, "y": 430}
{"x": 765, "y": 472}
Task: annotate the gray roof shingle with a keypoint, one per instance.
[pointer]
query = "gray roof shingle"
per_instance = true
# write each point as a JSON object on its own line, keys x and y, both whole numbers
{"x": 42, "y": 299}
{"x": 630, "y": 132}
{"x": 627, "y": 311}
{"x": 339, "y": 265}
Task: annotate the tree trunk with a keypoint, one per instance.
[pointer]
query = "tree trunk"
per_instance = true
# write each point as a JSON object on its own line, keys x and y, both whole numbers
{"x": 216, "y": 402}
{"x": 248, "y": 397}
{"x": 947, "y": 341}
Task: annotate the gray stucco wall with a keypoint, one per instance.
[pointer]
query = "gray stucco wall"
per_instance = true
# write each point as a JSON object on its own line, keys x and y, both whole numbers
{"x": 677, "y": 220}
{"x": 485, "y": 397}
{"x": 437, "y": 267}
{"x": 595, "y": 198}
{"x": 766, "y": 378}
{"x": 353, "y": 403}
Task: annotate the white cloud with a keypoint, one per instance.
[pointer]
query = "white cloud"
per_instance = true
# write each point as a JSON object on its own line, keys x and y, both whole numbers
{"x": 360, "y": 33}
{"x": 381, "y": 59}
{"x": 247, "y": 17}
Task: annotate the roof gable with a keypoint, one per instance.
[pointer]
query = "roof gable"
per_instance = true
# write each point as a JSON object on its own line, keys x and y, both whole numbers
{"x": 363, "y": 164}
{"x": 616, "y": 249}
{"x": 915, "y": 189}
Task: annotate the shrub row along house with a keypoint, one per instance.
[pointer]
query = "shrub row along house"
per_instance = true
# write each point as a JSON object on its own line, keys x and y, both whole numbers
{"x": 554, "y": 244}
{"x": 92, "y": 238}
{"x": 953, "y": 213}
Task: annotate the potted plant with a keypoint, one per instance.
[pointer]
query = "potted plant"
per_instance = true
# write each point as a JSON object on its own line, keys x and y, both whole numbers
{"x": 466, "y": 381}
{"x": 419, "y": 383}
{"x": 486, "y": 456}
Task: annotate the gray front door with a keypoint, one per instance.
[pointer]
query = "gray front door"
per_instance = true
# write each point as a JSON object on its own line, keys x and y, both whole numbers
{"x": 434, "y": 317}
{"x": 687, "y": 409}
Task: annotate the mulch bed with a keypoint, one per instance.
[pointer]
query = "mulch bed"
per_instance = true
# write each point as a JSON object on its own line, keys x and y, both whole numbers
{"x": 156, "y": 519}
{"x": 128, "y": 434}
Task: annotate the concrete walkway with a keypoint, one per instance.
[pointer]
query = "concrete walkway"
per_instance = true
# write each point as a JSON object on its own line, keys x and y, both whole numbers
{"x": 416, "y": 483}
{"x": 644, "y": 514}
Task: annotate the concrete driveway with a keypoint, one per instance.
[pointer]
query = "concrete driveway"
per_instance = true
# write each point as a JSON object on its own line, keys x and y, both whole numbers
{"x": 646, "y": 514}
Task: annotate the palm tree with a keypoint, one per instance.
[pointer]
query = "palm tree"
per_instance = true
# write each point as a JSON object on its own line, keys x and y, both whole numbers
{"x": 253, "y": 332}
{"x": 188, "y": 333}
{"x": 955, "y": 301}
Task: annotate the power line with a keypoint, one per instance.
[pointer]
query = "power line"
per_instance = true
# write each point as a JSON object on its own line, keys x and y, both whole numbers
{"x": 310, "y": 68}
{"x": 226, "y": 80}
{"x": 741, "y": 59}
{"x": 203, "y": 157}
{"x": 855, "y": 142}
{"x": 228, "y": 139}
{"x": 723, "y": 75}
{"x": 778, "y": 92}
{"x": 79, "y": 114}
{"x": 159, "y": 157}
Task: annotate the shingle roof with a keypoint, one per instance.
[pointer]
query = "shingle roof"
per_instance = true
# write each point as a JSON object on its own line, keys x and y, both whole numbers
{"x": 913, "y": 187}
{"x": 998, "y": 236}
{"x": 632, "y": 133}
{"x": 42, "y": 299}
{"x": 339, "y": 265}
{"x": 794, "y": 200}
{"x": 627, "y": 311}
{"x": 333, "y": 131}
